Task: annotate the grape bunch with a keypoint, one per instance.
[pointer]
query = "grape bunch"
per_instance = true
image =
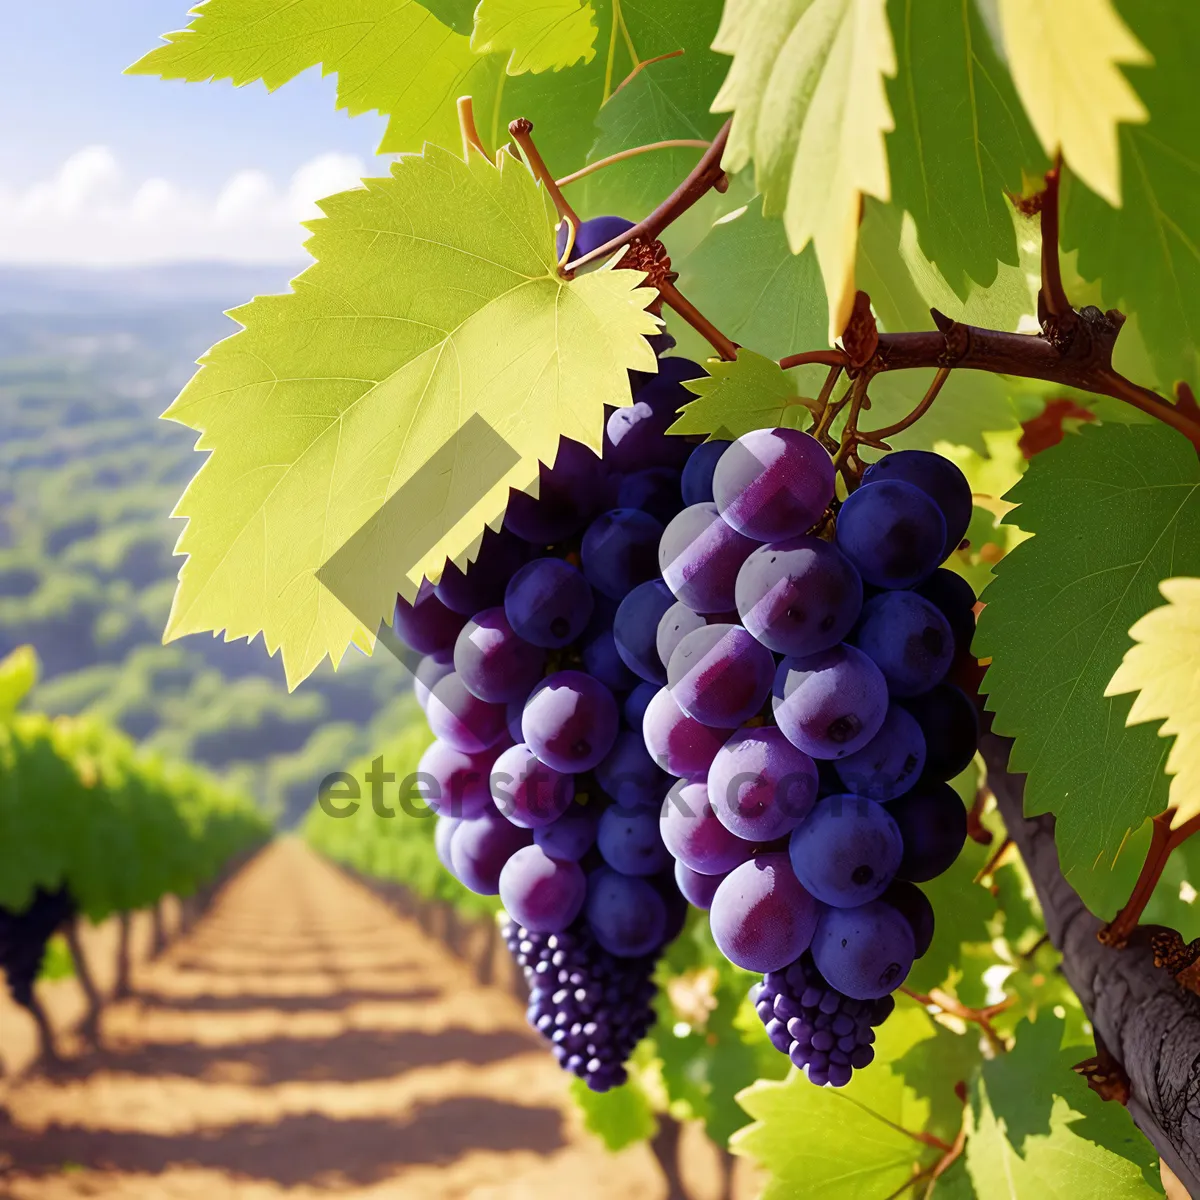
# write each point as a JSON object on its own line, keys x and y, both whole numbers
{"x": 809, "y": 722}
{"x": 23, "y": 938}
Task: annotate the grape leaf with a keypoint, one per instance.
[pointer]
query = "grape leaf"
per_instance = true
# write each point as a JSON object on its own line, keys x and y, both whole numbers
{"x": 1063, "y": 57}
{"x": 933, "y": 1067}
{"x": 432, "y": 353}
{"x": 19, "y": 671}
{"x": 390, "y": 55}
{"x": 1163, "y": 668}
{"x": 961, "y": 139}
{"x": 548, "y": 36}
{"x": 1059, "y": 1164}
{"x": 1145, "y": 253}
{"x": 1114, "y": 509}
{"x": 618, "y": 1117}
{"x": 752, "y": 392}
{"x": 809, "y": 107}
{"x": 1022, "y": 1083}
{"x": 865, "y": 1146}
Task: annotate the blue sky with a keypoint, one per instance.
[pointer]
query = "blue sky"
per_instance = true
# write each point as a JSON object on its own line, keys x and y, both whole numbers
{"x": 63, "y": 96}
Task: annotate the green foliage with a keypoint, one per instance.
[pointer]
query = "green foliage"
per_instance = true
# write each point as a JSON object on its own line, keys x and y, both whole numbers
{"x": 548, "y": 37}
{"x": 1114, "y": 510}
{"x": 57, "y": 962}
{"x": 18, "y": 674}
{"x": 619, "y": 1117}
{"x": 736, "y": 397}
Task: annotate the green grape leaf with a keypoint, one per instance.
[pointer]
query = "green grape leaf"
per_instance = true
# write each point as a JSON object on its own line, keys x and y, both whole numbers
{"x": 1145, "y": 251}
{"x": 619, "y": 1117}
{"x": 19, "y": 671}
{"x": 548, "y": 36}
{"x": 961, "y": 139}
{"x": 389, "y": 55}
{"x": 1058, "y": 1164}
{"x": 368, "y": 425}
{"x": 1108, "y": 1124}
{"x": 1114, "y": 509}
{"x": 806, "y": 89}
{"x": 1021, "y": 1083}
{"x": 866, "y": 1145}
{"x": 933, "y": 1067}
{"x": 752, "y": 392}
{"x": 458, "y": 14}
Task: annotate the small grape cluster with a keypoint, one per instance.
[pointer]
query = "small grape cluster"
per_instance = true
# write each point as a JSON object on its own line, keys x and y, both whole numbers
{"x": 593, "y": 1007}
{"x": 23, "y": 938}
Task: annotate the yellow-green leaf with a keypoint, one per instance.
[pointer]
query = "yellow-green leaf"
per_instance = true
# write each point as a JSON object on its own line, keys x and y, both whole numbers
{"x": 369, "y": 424}
{"x": 809, "y": 108}
{"x": 1063, "y": 55}
{"x": 19, "y": 671}
{"x": 547, "y": 35}
{"x": 1164, "y": 669}
{"x": 735, "y": 397}
{"x": 390, "y": 55}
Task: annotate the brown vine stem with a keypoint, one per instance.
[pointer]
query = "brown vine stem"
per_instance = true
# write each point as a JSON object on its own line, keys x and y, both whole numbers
{"x": 466, "y": 124}
{"x": 1163, "y": 839}
{"x": 845, "y": 459}
{"x": 1053, "y": 296}
{"x": 931, "y": 394}
{"x": 700, "y": 180}
{"x": 697, "y": 320}
{"x": 633, "y": 152}
{"x": 522, "y": 133}
{"x": 641, "y": 66}
{"x": 955, "y": 1008}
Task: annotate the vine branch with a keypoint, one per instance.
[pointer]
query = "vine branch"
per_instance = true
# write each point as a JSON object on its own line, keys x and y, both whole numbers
{"x": 522, "y": 131}
{"x": 697, "y": 320}
{"x": 633, "y": 152}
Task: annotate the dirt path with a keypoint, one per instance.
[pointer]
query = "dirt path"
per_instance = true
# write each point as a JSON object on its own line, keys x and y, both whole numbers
{"x": 303, "y": 1041}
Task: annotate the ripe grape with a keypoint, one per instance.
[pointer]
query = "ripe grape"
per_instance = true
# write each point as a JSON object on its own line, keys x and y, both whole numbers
{"x": 636, "y": 703}
{"x": 629, "y": 841}
{"x": 761, "y": 917}
{"x": 892, "y": 532}
{"x": 493, "y": 662}
{"x": 590, "y": 235}
{"x": 773, "y": 484}
{"x": 908, "y": 639}
{"x": 548, "y": 603}
{"x": 760, "y": 786}
{"x": 939, "y": 479}
{"x": 679, "y": 744}
{"x": 799, "y": 596}
{"x": 933, "y": 824}
{"x": 699, "y": 557}
{"x": 674, "y": 625}
{"x": 890, "y": 763}
{"x": 526, "y": 791}
{"x": 830, "y": 704}
{"x": 443, "y": 831}
{"x": 720, "y": 675}
{"x": 602, "y": 660}
{"x": 456, "y": 783}
{"x": 23, "y": 938}
{"x": 482, "y": 585}
{"x": 572, "y": 835}
{"x": 461, "y": 719}
{"x": 693, "y": 833}
{"x": 697, "y": 482}
{"x": 570, "y": 721}
{"x": 566, "y": 499}
{"x": 951, "y": 727}
{"x": 912, "y": 903}
{"x": 955, "y": 599}
{"x": 626, "y": 914}
{"x": 695, "y": 888}
{"x": 629, "y": 775}
{"x": 426, "y": 624}
{"x": 619, "y": 551}
{"x": 480, "y": 847}
{"x": 543, "y": 894}
{"x": 635, "y": 628}
{"x": 847, "y": 851}
{"x": 865, "y": 952}
{"x": 432, "y": 668}
{"x": 654, "y": 490}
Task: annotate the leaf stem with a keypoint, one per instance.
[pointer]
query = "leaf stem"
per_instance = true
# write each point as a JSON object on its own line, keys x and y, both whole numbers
{"x": 632, "y": 152}
{"x": 522, "y": 131}
{"x": 697, "y": 320}
{"x": 955, "y": 1008}
{"x": 1053, "y": 296}
{"x": 917, "y": 413}
{"x": 466, "y": 124}
{"x": 641, "y": 66}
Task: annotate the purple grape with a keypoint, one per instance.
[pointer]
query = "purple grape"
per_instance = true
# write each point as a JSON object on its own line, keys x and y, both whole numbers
{"x": 933, "y": 826}
{"x": 566, "y": 498}
{"x": 654, "y": 490}
{"x": 480, "y": 847}
{"x": 442, "y": 833}
{"x": 626, "y": 914}
{"x": 694, "y": 835}
{"x": 590, "y": 235}
{"x": 461, "y": 719}
{"x": 800, "y": 596}
{"x": 760, "y": 785}
{"x": 955, "y": 600}
{"x": 482, "y": 586}
{"x": 635, "y": 628}
{"x": 526, "y": 791}
{"x": 455, "y": 783}
{"x": 426, "y": 625}
{"x": 951, "y": 727}
{"x": 636, "y": 703}
{"x": 602, "y": 660}
{"x": 674, "y": 625}
{"x": 543, "y": 894}
{"x": 865, "y": 952}
{"x": 939, "y": 479}
{"x": 830, "y": 704}
{"x": 629, "y": 841}
{"x": 761, "y": 917}
{"x": 628, "y": 773}
{"x": 892, "y": 532}
{"x": 493, "y": 662}
{"x": 908, "y": 639}
{"x": 890, "y": 763}
{"x": 912, "y": 903}
{"x": 697, "y": 482}
{"x": 548, "y": 603}
{"x": 636, "y": 436}
{"x": 430, "y": 670}
{"x": 696, "y": 889}
{"x": 512, "y": 719}
{"x": 699, "y": 557}
{"x": 680, "y": 745}
{"x": 572, "y": 835}
{"x": 570, "y": 721}
{"x": 676, "y": 905}
{"x": 619, "y": 551}
{"x": 720, "y": 675}
{"x": 773, "y": 484}
{"x": 847, "y": 851}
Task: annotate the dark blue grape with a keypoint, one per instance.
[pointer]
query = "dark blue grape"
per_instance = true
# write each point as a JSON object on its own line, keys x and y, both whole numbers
{"x": 908, "y": 639}
{"x": 892, "y": 532}
{"x": 933, "y": 826}
{"x": 697, "y": 483}
{"x": 620, "y": 550}
{"x": 938, "y": 478}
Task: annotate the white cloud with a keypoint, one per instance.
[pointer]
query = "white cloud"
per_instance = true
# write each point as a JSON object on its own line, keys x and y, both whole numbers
{"x": 92, "y": 212}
